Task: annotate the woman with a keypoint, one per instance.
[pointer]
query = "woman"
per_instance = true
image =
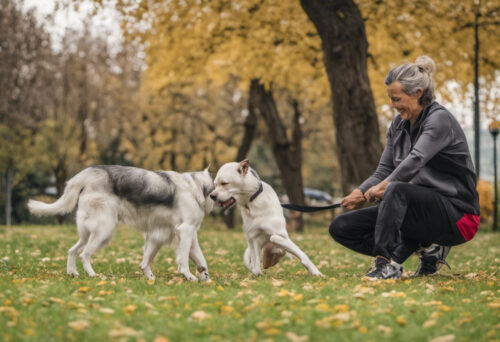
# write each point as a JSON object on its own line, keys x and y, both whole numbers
{"x": 425, "y": 183}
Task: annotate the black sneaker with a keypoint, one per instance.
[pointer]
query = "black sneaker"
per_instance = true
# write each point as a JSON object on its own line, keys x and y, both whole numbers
{"x": 432, "y": 259}
{"x": 384, "y": 269}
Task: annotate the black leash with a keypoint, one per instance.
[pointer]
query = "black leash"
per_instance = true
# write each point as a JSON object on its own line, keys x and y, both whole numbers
{"x": 309, "y": 209}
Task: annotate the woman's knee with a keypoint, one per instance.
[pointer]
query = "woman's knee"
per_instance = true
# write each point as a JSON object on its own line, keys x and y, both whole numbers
{"x": 338, "y": 227}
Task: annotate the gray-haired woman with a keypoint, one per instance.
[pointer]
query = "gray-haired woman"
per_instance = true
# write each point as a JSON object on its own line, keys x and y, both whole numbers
{"x": 425, "y": 183}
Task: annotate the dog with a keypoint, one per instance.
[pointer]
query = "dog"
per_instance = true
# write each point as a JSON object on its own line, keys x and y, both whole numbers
{"x": 263, "y": 220}
{"x": 165, "y": 206}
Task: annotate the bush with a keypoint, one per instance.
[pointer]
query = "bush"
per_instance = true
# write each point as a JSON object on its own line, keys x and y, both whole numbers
{"x": 485, "y": 191}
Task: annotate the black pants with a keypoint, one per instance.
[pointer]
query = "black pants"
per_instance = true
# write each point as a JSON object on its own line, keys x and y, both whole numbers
{"x": 409, "y": 216}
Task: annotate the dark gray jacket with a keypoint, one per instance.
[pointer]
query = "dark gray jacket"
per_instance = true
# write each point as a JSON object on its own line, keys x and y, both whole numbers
{"x": 433, "y": 153}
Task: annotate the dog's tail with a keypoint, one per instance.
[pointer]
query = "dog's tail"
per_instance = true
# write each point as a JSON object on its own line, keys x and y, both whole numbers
{"x": 65, "y": 203}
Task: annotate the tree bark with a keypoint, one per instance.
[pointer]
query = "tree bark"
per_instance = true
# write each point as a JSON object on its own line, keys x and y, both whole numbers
{"x": 343, "y": 37}
{"x": 250, "y": 126}
{"x": 8, "y": 200}
{"x": 288, "y": 154}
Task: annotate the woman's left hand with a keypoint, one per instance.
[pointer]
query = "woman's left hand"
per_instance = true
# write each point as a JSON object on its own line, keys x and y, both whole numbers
{"x": 376, "y": 192}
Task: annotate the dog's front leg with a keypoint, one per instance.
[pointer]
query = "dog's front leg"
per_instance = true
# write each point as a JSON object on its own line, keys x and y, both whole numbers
{"x": 151, "y": 247}
{"x": 199, "y": 260}
{"x": 255, "y": 257}
{"x": 185, "y": 232}
{"x": 290, "y": 247}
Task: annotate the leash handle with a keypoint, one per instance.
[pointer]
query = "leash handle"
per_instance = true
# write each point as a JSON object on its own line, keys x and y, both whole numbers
{"x": 309, "y": 209}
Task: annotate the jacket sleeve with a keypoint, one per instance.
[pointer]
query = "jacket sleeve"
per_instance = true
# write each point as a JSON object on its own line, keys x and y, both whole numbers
{"x": 436, "y": 135}
{"x": 385, "y": 165}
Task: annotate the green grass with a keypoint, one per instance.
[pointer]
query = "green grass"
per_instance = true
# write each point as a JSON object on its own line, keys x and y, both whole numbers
{"x": 39, "y": 302}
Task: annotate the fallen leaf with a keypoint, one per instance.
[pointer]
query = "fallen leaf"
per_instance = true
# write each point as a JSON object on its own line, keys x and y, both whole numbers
{"x": 129, "y": 309}
{"x": 293, "y": 337}
{"x": 161, "y": 339}
{"x": 401, "y": 320}
{"x": 79, "y": 325}
{"x": 444, "y": 338}
{"x": 494, "y": 305}
{"x": 84, "y": 289}
{"x": 200, "y": 315}
{"x": 429, "y": 323}
{"x": 56, "y": 300}
{"x": 383, "y": 329}
{"x": 123, "y": 332}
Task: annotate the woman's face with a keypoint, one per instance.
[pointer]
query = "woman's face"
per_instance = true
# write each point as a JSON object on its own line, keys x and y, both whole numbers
{"x": 406, "y": 105}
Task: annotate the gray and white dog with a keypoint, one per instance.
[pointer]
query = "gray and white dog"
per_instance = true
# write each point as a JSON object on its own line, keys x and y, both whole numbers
{"x": 263, "y": 219}
{"x": 163, "y": 205}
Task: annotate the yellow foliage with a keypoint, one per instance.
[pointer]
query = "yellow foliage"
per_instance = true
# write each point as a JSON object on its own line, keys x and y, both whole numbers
{"x": 485, "y": 191}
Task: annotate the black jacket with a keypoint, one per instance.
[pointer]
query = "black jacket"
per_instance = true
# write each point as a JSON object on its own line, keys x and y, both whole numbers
{"x": 433, "y": 153}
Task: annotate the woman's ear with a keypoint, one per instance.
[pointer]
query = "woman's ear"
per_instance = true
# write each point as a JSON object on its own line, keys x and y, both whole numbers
{"x": 419, "y": 93}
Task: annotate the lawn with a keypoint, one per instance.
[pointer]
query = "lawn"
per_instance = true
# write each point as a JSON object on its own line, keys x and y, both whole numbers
{"x": 39, "y": 302}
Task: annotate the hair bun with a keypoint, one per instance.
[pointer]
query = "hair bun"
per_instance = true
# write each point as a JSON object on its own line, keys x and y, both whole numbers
{"x": 426, "y": 63}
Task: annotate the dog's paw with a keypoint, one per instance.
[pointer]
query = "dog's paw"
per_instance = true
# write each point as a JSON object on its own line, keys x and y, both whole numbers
{"x": 191, "y": 277}
{"x": 73, "y": 273}
{"x": 203, "y": 276}
{"x": 317, "y": 274}
{"x": 257, "y": 273}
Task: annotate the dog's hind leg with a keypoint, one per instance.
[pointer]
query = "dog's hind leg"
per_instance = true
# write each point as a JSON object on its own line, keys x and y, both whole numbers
{"x": 199, "y": 260}
{"x": 289, "y": 246}
{"x": 185, "y": 232}
{"x": 100, "y": 236}
{"x": 71, "y": 267}
{"x": 151, "y": 247}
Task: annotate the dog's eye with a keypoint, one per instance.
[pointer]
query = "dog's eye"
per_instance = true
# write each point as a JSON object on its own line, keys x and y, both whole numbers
{"x": 224, "y": 183}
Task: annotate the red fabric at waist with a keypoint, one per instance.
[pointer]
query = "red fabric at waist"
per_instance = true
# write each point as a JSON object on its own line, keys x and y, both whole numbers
{"x": 468, "y": 226}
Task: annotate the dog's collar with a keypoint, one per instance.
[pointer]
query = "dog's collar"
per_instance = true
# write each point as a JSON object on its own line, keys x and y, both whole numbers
{"x": 254, "y": 196}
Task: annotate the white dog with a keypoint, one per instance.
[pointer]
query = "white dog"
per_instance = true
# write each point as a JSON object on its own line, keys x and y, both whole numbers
{"x": 263, "y": 219}
{"x": 163, "y": 205}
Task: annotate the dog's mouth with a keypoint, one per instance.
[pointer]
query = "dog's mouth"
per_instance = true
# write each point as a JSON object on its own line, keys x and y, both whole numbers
{"x": 226, "y": 204}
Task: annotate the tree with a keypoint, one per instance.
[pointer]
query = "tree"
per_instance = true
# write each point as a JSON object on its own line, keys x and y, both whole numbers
{"x": 341, "y": 28}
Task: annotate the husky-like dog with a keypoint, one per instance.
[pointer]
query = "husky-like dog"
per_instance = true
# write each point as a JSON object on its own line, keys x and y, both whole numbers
{"x": 263, "y": 219}
{"x": 162, "y": 205}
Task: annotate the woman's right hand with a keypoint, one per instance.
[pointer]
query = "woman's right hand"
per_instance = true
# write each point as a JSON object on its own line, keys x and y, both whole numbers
{"x": 354, "y": 200}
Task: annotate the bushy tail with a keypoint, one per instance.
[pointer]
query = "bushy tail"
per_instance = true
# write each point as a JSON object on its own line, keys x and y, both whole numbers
{"x": 65, "y": 203}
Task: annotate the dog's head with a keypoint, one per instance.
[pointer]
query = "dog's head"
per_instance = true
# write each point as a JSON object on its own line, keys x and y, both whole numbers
{"x": 205, "y": 183}
{"x": 233, "y": 181}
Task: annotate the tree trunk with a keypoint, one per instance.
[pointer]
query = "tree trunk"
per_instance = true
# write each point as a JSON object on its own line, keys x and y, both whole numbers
{"x": 341, "y": 28}
{"x": 8, "y": 200}
{"x": 60, "y": 173}
{"x": 250, "y": 126}
{"x": 288, "y": 154}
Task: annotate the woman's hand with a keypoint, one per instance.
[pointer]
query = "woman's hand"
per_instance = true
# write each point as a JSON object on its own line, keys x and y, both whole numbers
{"x": 376, "y": 192}
{"x": 354, "y": 200}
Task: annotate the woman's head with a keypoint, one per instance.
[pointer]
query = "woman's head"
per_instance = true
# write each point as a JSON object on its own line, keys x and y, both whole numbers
{"x": 412, "y": 86}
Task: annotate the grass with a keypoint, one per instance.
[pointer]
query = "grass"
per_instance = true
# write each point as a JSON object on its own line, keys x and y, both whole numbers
{"x": 39, "y": 302}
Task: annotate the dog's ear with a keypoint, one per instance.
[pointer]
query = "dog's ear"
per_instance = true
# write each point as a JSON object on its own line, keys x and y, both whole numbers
{"x": 207, "y": 168}
{"x": 243, "y": 167}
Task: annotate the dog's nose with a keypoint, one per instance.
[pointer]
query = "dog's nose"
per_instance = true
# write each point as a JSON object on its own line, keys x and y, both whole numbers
{"x": 213, "y": 196}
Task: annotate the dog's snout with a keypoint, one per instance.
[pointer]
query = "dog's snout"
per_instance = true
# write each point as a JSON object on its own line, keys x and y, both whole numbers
{"x": 213, "y": 196}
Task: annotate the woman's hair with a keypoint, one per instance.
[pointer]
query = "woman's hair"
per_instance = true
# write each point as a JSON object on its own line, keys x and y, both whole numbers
{"x": 414, "y": 76}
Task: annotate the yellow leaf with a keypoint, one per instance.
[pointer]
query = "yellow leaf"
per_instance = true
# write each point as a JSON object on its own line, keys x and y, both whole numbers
{"x": 383, "y": 329}
{"x": 161, "y": 339}
{"x": 56, "y": 300}
{"x": 341, "y": 308}
{"x": 151, "y": 281}
{"x": 298, "y": 298}
{"x": 429, "y": 323}
{"x": 102, "y": 283}
{"x": 129, "y": 309}
{"x": 494, "y": 305}
{"x": 401, "y": 320}
{"x": 200, "y": 315}
{"x": 278, "y": 283}
{"x": 84, "y": 289}
{"x": 220, "y": 288}
{"x": 363, "y": 330}
{"x": 444, "y": 338}
{"x": 79, "y": 325}
{"x": 122, "y": 332}
{"x": 293, "y": 337}
{"x": 273, "y": 331}
{"x": 323, "y": 307}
